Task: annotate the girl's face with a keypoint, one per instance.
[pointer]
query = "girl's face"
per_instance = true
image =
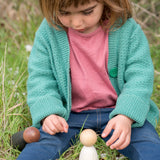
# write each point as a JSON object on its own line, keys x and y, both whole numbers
{"x": 84, "y": 18}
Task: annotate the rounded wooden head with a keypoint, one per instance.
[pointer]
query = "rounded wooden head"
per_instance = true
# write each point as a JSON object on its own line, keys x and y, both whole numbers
{"x": 31, "y": 134}
{"x": 88, "y": 137}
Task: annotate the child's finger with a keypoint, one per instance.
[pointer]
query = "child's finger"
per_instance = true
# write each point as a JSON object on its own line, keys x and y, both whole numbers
{"x": 121, "y": 140}
{"x": 125, "y": 144}
{"x": 56, "y": 124}
{"x": 47, "y": 130}
{"x": 107, "y": 130}
{"x": 113, "y": 138}
{"x": 64, "y": 124}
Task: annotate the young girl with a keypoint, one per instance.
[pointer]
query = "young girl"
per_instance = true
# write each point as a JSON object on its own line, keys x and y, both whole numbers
{"x": 90, "y": 64}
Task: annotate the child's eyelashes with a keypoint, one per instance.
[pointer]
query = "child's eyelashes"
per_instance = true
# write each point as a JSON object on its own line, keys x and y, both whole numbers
{"x": 87, "y": 12}
{"x": 65, "y": 13}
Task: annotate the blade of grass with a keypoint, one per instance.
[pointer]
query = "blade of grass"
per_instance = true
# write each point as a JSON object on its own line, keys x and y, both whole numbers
{"x": 14, "y": 88}
{"x": 3, "y": 87}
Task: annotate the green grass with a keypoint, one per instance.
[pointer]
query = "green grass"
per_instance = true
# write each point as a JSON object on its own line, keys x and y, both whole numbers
{"x": 104, "y": 153}
{"x": 14, "y": 112}
{"x": 155, "y": 53}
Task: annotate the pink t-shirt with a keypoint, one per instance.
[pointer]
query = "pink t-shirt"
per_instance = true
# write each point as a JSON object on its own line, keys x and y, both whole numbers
{"x": 91, "y": 87}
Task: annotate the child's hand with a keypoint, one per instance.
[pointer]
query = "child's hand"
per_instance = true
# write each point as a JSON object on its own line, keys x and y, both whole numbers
{"x": 54, "y": 124}
{"x": 122, "y": 132}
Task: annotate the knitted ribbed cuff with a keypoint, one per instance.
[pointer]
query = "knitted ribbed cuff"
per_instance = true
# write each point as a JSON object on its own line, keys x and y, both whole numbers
{"x": 133, "y": 107}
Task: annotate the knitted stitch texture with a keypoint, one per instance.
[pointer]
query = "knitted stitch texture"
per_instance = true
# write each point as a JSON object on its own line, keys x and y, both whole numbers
{"x": 130, "y": 70}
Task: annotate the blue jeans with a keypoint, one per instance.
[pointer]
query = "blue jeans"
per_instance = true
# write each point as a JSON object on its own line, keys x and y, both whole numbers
{"x": 145, "y": 142}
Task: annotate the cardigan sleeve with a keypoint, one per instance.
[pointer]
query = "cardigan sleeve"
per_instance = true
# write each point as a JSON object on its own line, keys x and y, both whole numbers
{"x": 138, "y": 73}
{"x": 43, "y": 94}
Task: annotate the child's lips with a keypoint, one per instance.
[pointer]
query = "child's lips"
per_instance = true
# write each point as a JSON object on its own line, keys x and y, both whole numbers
{"x": 80, "y": 30}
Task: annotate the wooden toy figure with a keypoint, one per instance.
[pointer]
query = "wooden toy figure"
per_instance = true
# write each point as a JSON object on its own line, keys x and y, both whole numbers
{"x": 88, "y": 138}
{"x": 20, "y": 139}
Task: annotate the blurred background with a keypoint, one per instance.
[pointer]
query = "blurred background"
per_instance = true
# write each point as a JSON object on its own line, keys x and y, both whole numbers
{"x": 146, "y": 12}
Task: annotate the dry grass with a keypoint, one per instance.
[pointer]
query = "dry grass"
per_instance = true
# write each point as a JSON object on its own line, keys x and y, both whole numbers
{"x": 147, "y": 14}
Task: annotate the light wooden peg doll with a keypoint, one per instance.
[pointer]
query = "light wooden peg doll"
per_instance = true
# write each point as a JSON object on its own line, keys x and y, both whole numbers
{"x": 88, "y": 138}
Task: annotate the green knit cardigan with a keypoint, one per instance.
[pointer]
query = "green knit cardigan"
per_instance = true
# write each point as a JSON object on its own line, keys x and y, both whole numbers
{"x": 130, "y": 70}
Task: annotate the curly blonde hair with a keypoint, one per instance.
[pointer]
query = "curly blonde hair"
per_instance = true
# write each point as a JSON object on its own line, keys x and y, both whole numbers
{"x": 116, "y": 12}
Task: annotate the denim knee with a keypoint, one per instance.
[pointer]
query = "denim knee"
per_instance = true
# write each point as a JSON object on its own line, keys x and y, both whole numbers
{"x": 48, "y": 147}
{"x": 145, "y": 144}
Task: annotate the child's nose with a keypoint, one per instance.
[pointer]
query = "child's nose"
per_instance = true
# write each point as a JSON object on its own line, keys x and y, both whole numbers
{"x": 76, "y": 22}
